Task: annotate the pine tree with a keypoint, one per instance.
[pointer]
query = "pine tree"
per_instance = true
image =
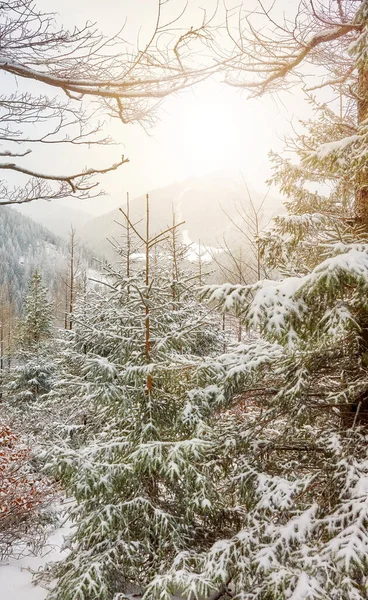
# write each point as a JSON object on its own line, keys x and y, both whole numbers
{"x": 141, "y": 498}
{"x": 295, "y": 400}
{"x": 36, "y": 325}
{"x": 33, "y": 372}
{"x": 320, "y": 202}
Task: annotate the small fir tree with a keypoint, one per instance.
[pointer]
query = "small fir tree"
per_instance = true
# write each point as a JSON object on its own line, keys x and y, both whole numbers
{"x": 33, "y": 371}
{"x": 143, "y": 477}
{"x": 36, "y": 325}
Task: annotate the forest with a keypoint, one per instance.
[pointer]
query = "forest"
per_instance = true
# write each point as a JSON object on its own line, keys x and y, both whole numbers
{"x": 191, "y": 421}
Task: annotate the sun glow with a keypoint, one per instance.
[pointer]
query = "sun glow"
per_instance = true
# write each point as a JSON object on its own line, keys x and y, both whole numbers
{"x": 217, "y": 129}
{"x": 211, "y": 128}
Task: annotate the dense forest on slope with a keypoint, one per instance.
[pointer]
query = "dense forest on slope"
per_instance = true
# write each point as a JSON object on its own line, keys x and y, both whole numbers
{"x": 25, "y": 245}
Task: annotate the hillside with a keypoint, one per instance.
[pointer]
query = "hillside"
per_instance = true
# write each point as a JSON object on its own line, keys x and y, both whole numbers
{"x": 25, "y": 245}
{"x": 200, "y": 202}
{"x": 57, "y": 216}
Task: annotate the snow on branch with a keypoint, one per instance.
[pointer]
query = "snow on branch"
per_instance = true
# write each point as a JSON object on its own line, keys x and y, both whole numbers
{"x": 284, "y": 308}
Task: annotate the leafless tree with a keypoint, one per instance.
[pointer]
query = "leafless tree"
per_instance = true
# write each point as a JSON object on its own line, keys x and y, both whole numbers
{"x": 73, "y": 282}
{"x": 240, "y": 261}
{"x": 91, "y": 75}
{"x": 6, "y": 326}
{"x": 319, "y": 44}
{"x": 273, "y": 45}
{"x": 126, "y": 246}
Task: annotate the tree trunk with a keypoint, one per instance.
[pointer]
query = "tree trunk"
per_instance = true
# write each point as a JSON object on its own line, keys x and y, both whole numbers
{"x": 128, "y": 242}
{"x": 71, "y": 284}
{"x": 175, "y": 270}
{"x": 359, "y": 406}
{"x": 361, "y": 197}
{"x": 147, "y": 310}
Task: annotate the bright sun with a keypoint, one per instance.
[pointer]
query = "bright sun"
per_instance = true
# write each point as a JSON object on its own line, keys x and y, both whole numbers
{"x": 214, "y": 130}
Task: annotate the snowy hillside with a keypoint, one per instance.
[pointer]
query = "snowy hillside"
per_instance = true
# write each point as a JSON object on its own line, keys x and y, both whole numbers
{"x": 25, "y": 246}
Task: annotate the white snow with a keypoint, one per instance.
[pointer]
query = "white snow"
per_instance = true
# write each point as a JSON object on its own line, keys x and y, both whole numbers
{"x": 273, "y": 304}
{"x": 16, "y": 579}
{"x": 325, "y": 150}
{"x": 196, "y": 251}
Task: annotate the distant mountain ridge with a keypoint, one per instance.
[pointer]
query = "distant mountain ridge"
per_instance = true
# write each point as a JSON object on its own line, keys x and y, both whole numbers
{"x": 57, "y": 216}
{"x": 200, "y": 202}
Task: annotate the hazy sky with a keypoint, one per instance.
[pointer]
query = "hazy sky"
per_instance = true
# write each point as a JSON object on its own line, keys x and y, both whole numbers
{"x": 211, "y": 127}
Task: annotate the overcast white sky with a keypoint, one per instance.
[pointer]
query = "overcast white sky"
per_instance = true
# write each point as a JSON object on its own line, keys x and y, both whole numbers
{"x": 211, "y": 127}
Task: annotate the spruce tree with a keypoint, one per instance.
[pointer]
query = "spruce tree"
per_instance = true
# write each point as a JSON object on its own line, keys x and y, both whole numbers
{"x": 36, "y": 325}
{"x": 293, "y": 424}
{"x": 142, "y": 477}
{"x": 33, "y": 371}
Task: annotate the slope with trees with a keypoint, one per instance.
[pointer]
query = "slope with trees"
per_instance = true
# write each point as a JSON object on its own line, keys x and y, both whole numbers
{"x": 25, "y": 246}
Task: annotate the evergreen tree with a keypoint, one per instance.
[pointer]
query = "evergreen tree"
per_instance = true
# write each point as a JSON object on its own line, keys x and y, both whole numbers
{"x": 32, "y": 378}
{"x": 142, "y": 477}
{"x": 36, "y": 325}
{"x": 295, "y": 400}
{"x": 33, "y": 372}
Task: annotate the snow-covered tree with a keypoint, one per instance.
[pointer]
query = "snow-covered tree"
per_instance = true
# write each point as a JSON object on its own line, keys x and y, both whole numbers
{"x": 32, "y": 378}
{"x": 36, "y": 325}
{"x": 32, "y": 372}
{"x": 294, "y": 401}
{"x": 141, "y": 470}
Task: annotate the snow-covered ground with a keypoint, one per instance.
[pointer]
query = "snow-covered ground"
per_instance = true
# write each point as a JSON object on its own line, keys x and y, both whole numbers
{"x": 16, "y": 576}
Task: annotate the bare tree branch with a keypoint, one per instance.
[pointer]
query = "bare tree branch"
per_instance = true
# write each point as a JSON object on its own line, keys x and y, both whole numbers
{"x": 92, "y": 75}
{"x": 272, "y": 50}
